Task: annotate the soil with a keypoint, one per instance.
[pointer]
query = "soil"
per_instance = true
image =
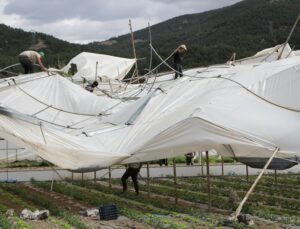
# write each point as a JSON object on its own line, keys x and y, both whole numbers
{"x": 77, "y": 207}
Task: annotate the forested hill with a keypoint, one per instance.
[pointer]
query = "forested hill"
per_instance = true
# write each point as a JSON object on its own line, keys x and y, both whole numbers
{"x": 211, "y": 37}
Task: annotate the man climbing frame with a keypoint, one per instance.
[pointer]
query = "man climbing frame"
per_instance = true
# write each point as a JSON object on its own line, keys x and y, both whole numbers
{"x": 177, "y": 59}
{"x": 28, "y": 58}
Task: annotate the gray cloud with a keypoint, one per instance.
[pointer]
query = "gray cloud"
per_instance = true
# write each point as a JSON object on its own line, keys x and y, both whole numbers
{"x": 84, "y": 21}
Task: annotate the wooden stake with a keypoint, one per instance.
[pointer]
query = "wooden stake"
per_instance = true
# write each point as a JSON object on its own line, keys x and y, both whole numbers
{"x": 239, "y": 209}
{"x": 247, "y": 173}
{"x": 109, "y": 178}
{"x": 133, "y": 47}
{"x": 175, "y": 180}
{"x": 222, "y": 166}
{"x": 275, "y": 173}
{"x": 202, "y": 169}
{"x": 208, "y": 182}
{"x": 95, "y": 177}
{"x": 148, "y": 179}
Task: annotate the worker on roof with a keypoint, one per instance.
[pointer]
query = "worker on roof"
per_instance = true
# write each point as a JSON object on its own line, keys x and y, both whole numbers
{"x": 133, "y": 172}
{"x": 90, "y": 87}
{"x": 28, "y": 58}
{"x": 177, "y": 58}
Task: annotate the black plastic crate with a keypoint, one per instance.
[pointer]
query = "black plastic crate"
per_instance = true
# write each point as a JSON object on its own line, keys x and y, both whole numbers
{"x": 108, "y": 212}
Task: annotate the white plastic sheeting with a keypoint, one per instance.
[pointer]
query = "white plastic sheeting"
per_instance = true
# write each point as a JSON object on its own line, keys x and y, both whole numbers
{"x": 243, "y": 111}
{"x": 108, "y": 67}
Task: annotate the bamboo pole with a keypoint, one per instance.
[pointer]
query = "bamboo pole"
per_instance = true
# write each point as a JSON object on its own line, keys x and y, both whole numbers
{"x": 133, "y": 48}
{"x": 175, "y": 180}
{"x": 239, "y": 209}
{"x": 208, "y": 182}
{"x": 289, "y": 37}
{"x": 109, "y": 178}
{"x": 148, "y": 179}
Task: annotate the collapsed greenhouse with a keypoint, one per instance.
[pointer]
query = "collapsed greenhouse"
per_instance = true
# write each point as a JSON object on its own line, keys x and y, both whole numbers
{"x": 247, "y": 109}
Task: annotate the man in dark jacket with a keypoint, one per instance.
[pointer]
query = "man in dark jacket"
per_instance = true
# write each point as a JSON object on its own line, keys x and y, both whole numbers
{"x": 177, "y": 59}
{"x": 133, "y": 172}
{"x": 90, "y": 87}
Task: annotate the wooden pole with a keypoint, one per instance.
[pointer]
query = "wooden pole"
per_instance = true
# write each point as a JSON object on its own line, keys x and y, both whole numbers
{"x": 133, "y": 47}
{"x": 239, "y": 209}
{"x": 247, "y": 173}
{"x": 208, "y": 182}
{"x": 95, "y": 177}
{"x": 109, "y": 178}
{"x": 175, "y": 180}
{"x": 289, "y": 37}
{"x": 222, "y": 166}
{"x": 275, "y": 173}
{"x": 148, "y": 179}
{"x": 202, "y": 169}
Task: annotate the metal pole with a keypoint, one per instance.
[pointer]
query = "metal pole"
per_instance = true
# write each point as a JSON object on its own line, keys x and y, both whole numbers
{"x": 175, "y": 180}
{"x": 148, "y": 179}
{"x": 289, "y": 37}
{"x": 208, "y": 182}
{"x": 109, "y": 178}
{"x": 150, "y": 41}
{"x": 239, "y": 209}
{"x": 133, "y": 47}
{"x": 96, "y": 72}
{"x": 6, "y": 160}
{"x": 247, "y": 173}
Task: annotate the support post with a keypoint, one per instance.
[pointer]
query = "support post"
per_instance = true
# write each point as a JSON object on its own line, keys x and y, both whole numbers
{"x": 133, "y": 47}
{"x": 148, "y": 179}
{"x": 222, "y": 166}
{"x": 109, "y": 178}
{"x": 208, "y": 182}
{"x": 95, "y": 177}
{"x": 275, "y": 173}
{"x": 239, "y": 209}
{"x": 6, "y": 160}
{"x": 96, "y": 72}
{"x": 81, "y": 177}
{"x": 72, "y": 176}
{"x": 202, "y": 169}
{"x": 247, "y": 173}
{"x": 175, "y": 180}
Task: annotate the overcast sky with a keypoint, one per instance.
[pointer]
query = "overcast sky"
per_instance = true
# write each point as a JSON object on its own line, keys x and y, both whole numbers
{"x": 84, "y": 21}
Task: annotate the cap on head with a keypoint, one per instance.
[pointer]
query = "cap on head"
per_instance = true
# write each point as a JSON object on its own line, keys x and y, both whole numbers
{"x": 95, "y": 84}
{"x": 42, "y": 54}
{"x": 183, "y": 47}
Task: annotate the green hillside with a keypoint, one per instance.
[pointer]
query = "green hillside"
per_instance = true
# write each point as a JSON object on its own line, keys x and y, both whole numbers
{"x": 211, "y": 37}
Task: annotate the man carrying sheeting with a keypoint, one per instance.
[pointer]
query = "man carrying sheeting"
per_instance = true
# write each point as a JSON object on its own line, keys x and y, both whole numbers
{"x": 178, "y": 57}
{"x": 28, "y": 58}
{"x": 132, "y": 171}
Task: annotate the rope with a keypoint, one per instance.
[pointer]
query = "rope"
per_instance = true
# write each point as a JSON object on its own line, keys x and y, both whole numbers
{"x": 230, "y": 80}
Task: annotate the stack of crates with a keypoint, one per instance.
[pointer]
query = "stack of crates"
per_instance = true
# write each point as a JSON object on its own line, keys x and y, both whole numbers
{"x": 108, "y": 212}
